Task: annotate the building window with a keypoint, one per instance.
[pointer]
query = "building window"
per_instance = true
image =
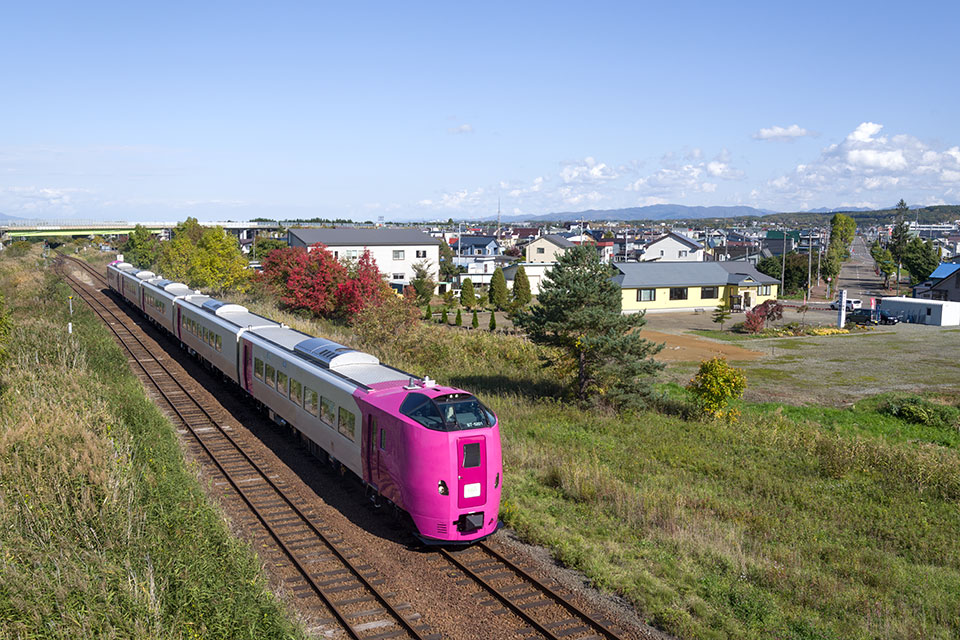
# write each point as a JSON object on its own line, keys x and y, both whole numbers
{"x": 421, "y": 253}
{"x": 398, "y": 254}
{"x": 709, "y": 293}
{"x": 646, "y": 295}
{"x": 678, "y": 293}
{"x": 682, "y": 254}
{"x": 398, "y": 276}
{"x": 763, "y": 290}
{"x": 540, "y": 250}
{"x": 478, "y": 252}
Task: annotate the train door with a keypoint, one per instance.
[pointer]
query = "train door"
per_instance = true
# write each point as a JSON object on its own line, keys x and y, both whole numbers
{"x": 372, "y": 452}
{"x": 471, "y": 471}
{"x": 247, "y": 374}
{"x": 142, "y": 294}
{"x": 178, "y": 322}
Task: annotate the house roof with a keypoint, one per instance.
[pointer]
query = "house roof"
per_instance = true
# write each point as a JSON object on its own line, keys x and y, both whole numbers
{"x": 560, "y": 241}
{"x": 944, "y": 270}
{"x": 477, "y": 241}
{"x": 339, "y": 237}
{"x": 688, "y": 274}
{"x": 693, "y": 244}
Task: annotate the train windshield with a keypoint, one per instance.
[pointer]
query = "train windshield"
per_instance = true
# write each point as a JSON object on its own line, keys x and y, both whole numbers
{"x": 453, "y": 412}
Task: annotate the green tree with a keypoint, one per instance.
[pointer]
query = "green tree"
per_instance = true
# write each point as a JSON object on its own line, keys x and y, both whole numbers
{"x": 448, "y": 269}
{"x": 900, "y": 237}
{"x": 842, "y": 229}
{"x": 578, "y": 312}
{"x": 428, "y": 313}
{"x": 493, "y": 319}
{"x": 884, "y": 261}
{"x": 444, "y": 318}
{"x": 468, "y": 295}
{"x": 217, "y": 264}
{"x": 475, "y": 322}
{"x": 920, "y": 259}
{"x": 499, "y": 297}
{"x": 262, "y": 245}
{"x": 459, "y": 320}
{"x": 423, "y": 282}
{"x": 141, "y": 248}
{"x": 521, "y": 288}
{"x": 174, "y": 259}
{"x": 721, "y": 314}
{"x": 794, "y": 274}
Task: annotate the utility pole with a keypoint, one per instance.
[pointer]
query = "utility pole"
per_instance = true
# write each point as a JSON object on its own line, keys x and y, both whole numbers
{"x": 819, "y": 253}
{"x": 783, "y": 259}
{"x": 809, "y": 264}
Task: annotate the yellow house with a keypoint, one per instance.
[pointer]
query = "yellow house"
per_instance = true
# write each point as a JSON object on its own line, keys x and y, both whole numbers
{"x": 689, "y": 286}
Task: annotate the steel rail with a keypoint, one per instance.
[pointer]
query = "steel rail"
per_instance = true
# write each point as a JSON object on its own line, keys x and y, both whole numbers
{"x": 407, "y": 626}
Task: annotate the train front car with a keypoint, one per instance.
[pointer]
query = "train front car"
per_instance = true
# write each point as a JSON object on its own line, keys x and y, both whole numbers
{"x": 447, "y": 470}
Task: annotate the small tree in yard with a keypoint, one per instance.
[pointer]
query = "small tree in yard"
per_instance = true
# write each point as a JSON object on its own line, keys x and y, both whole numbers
{"x": 427, "y": 312}
{"x": 772, "y": 311}
{"x": 444, "y": 319}
{"x": 715, "y": 385}
{"x": 423, "y": 282}
{"x": 499, "y": 296}
{"x": 721, "y": 314}
{"x": 755, "y": 320}
{"x": 459, "y": 320}
{"x": 493, "y": 320}
{"x": 802, "y": 310}
{"x": 521, "y": 288}
{"x": 578, "y": 312}
{"x": 468, "y": 295}
{"x": 475, "y": 322}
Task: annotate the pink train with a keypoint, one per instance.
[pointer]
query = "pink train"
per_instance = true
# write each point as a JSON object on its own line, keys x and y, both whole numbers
{"x": 431, "y": 451}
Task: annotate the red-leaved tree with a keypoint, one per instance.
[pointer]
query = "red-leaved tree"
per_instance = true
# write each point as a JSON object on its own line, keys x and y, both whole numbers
{"x": 316, "y": 281}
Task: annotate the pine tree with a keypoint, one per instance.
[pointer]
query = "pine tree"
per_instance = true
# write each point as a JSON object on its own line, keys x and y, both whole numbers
{"x": 459, "y": 320}
{"x": 721, "y": 314}
{"x": 579, "y": 312}
{"x": 444, "y": 319}
{"x": 423, "y": 282}
{"x": 475, "y": 322}
{"x": 468, "y": 295}
{"x": 428, "y": 313}
{"x": 493, "y": 320}
{"x": 521, "y": 288}
{"x": 498, "y": 290}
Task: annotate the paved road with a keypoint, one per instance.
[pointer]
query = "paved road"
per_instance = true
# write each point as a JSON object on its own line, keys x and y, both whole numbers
{"x": 858, "y": 276}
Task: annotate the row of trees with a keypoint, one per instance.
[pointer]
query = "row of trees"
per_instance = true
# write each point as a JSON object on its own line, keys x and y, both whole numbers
{"x": 918, "y": 256}
{"x": 498, "y": 296}
{"x": 201, "y": 257}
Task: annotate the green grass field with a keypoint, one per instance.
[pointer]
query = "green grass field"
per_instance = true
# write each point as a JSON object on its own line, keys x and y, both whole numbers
{"x": 104, "y": 530}
{"x": 797, "y": 522}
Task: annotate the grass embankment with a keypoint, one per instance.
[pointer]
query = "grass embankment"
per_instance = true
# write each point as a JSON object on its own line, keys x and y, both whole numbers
{"x": 796, "y": 523}
{"x": 104, "y": 531}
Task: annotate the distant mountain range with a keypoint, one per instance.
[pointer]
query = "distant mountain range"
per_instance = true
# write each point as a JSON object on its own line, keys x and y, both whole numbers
{"x": 650, "y": 212}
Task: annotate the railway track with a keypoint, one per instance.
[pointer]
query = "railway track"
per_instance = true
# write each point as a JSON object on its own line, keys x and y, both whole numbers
{"x": 545, "y": 610}
{"x": 346, "y": 593}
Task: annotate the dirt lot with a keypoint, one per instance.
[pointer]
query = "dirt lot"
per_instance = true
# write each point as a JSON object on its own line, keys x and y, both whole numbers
{"x": 686, "y": 348}
{"x": 831, "y": 370}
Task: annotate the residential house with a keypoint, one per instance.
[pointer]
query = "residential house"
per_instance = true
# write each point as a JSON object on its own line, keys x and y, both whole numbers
{"x": 536, "y": 272}
{"x": 394, "y": 250}
{"x": 673, "y": 247}
{"x": 943, "y": 284}
{"x": 476, "y": 246}
{"x": 547, "y": 248}
{"x": 689, "y": 286}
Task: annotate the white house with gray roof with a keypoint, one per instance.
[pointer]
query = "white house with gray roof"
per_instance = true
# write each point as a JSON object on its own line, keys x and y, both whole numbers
{"x": 691, "y": 286}
{"x": 394, "y": 250}
{"x": 673, "y": 247}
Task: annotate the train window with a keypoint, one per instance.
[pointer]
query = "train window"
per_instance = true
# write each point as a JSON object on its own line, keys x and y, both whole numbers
{"x": 268, "y": 377}
{"x": 383, "y": 438}
{"x": 258, "y": 368}
{"x": 421, "y": 408}
{"x": 471, "y": 455}
{"x": 310, "y": 400}
{"x": 296, "y": 392}
{"x": 327, "y": 412}
{"x": 463, "y": 411}
{"x": 348, "y": 423}
{"x": 282, "y": 382}
{"x": 219, "y": 343}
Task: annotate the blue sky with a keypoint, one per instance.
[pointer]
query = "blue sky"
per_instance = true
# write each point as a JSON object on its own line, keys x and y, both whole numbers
{"x": 122, "y": 111}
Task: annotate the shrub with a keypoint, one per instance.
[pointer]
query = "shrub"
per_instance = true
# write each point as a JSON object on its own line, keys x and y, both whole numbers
{"x": 493, "y": 320}
{"x": 921, "y": 411}
{"x": 459, "y": 320}
{"x": 474, "y": 323}
{"x": 427, "y": 312}
{"x": 444, "y": 319}
{"x": 755, "y": 321}
{"x": 715, "y": 385}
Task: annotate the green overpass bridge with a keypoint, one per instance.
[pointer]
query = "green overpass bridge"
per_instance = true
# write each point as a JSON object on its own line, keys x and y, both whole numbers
{"x": 23, "y": 230}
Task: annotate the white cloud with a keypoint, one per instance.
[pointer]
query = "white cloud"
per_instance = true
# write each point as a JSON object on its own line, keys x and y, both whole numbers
{"x": 463, "y": 128}
{"x": 782, "y": 134}
{"x": 872, "y": 158}
{"x": 587, "y": 171}
{"x": 865, "y": 132}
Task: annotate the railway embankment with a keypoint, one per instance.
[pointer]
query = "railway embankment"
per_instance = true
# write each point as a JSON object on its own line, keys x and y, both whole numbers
{"x": 104, "y": 530}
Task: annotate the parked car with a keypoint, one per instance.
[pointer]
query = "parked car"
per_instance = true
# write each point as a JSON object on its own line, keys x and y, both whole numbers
{"x": 852, "y": 303}
{"x": 866, "y": 316}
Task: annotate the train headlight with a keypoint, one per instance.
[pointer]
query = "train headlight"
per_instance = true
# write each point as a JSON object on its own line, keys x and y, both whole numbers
{"x": 442, "y": 488}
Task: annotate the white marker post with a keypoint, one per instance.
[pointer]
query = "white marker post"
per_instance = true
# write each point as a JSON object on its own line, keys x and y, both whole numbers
{"x": 842, "y": 311}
